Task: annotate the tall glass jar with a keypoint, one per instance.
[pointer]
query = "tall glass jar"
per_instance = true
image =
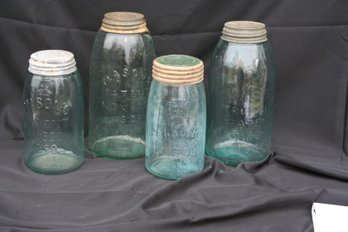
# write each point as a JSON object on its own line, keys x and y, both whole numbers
{"x": 53, "y": 119}
{"x": 240, "y": 94}
{"x": 120, "y": 78}
{"x": 176, "y": 117}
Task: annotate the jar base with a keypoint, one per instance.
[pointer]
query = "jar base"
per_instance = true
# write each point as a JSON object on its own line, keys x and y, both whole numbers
{"x": 119, "y": 147}
{"x": 58, "y": 162}
{"x": 172, "y": 169}
{"x": 234, "y": 152}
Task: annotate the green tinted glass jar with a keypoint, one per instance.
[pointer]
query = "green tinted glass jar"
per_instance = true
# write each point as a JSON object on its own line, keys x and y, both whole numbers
{"x": 176, "y": 117}
{"x": 53, "y": 113}
{"x": 240, "y": 94}
{"x": 120, "y": 78}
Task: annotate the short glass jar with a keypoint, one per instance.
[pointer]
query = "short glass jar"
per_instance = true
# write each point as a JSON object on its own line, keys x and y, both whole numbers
{"x": 176, "y": 117}
{"x": 120, "y": 78}
{"x": 240, "y": 94}
{"x": 53, "y": 117}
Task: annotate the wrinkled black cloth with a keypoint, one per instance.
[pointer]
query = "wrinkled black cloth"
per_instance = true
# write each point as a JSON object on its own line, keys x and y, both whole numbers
{"x": 310, "y": 46}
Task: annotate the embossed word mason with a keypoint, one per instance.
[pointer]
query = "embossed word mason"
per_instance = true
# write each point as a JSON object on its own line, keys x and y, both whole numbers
{"x": 120, "y": 76}
{"x": 53, "y": 103}
{"x": 176, "y": 117}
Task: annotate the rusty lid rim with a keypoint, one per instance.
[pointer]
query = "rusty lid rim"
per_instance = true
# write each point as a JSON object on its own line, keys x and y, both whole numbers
{"x": 52, "y": 63}
{"x": 124, "y": 23}
{"x": 178, "y": 69}
{"x": 244, "y": 32}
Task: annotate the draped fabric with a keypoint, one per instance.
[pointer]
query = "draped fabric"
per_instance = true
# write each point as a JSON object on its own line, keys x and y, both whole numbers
{"x": 310, "y": 46}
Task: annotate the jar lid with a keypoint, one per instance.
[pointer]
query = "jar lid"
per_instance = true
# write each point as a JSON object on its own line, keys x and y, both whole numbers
{"x": 124, "y": 23}
{"x": 244, "y": 32}
{"x": 52, "y": 63}
{"x": 178, "y": 69}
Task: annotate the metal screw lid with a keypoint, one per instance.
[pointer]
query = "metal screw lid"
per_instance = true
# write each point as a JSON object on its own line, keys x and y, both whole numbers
{"x": 124, "y": 23}
{"x": 178, "y": 69}
{"x": 244, "y": 32}
{"x": 52, "y": 63}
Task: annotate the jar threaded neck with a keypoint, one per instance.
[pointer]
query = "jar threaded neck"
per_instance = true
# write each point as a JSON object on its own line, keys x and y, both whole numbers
{"x": 249, "y": 32}
{"x": 52, "y": 63}
{"x": 124, "y": 23}
{"x": 178, "y": 69}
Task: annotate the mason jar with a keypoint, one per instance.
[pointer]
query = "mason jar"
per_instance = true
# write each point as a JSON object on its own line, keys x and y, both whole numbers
{"x": 53, "y": 113}
{"x": 120, "y": 78}
{"x": 176, "y": 117}
{"x": 240, "y": 94}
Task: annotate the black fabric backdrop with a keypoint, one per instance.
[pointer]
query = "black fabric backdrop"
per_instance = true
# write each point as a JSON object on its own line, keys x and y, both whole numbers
{"x": 310, "y": 46}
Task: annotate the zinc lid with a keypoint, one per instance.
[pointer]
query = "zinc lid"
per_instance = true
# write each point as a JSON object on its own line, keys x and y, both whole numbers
{"x": 178, "y": 69}
{"x": 52, "y": 63}
{"x": 244, "y": 32}
{"x": 124, "y": 23}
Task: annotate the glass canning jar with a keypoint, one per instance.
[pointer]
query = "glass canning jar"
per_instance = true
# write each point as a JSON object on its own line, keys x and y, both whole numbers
{"x": 53, "y": 120}
{"x": 176, "y": 117}
{"x": 120, "y": 78}
{"x": 240, "y": 94}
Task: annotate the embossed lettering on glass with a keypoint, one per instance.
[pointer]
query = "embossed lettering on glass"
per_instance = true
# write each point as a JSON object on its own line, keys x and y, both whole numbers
{"x": 176, "y": 117}
{"x": 120, "y": 77}
{"x": 240, "y": 94}
{"x": 53, "y": 122}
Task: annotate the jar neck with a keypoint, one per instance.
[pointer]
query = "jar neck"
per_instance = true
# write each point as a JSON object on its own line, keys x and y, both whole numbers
{"x": 246, "y": 44}
{"x": 178, "y": 85}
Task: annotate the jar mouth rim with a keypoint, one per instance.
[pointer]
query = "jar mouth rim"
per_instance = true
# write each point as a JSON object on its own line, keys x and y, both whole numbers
{"x": 124, "y": 17}
{"x": 52, "y": 57}
{"x": 245, "y": 25}
{"x": 176, "y": 60}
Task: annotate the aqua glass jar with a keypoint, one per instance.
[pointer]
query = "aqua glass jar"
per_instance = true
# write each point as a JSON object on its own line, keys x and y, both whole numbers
{"x": 53, "y": 119}
{"x": 240, "y": 95}
{"x": 176, "y": 117}
{"x": 120, "y": 78}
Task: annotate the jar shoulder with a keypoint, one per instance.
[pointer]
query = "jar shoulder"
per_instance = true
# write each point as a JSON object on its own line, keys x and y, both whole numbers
{"x": 112, "y": 41}
{"x": 162, "y": 93}
{"x": 227, "y": 53}
{"x": 52, "y": 84}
